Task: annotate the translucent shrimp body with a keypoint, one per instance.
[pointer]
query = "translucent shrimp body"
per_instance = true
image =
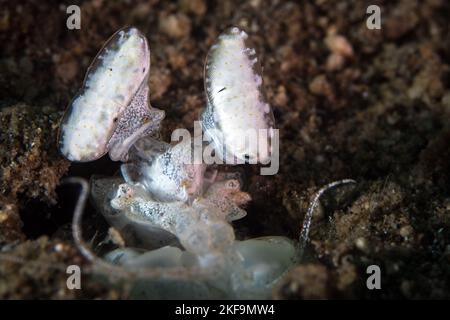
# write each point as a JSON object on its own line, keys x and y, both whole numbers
{"x": 171, "y": 213}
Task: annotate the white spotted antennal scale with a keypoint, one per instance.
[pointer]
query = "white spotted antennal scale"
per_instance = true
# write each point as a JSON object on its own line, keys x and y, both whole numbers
{"x": 111, "y": 110}
{"x": 236, "y": 101}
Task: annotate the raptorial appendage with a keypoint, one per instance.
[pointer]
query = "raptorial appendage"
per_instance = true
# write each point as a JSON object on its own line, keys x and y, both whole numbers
{"x": 171, "y": 211}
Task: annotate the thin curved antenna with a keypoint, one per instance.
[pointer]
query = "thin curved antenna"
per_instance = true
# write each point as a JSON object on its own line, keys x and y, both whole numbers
{"x": 303, "y": 239}
{"x": 113, "y": 270}
{"x": 77, "y": 220}
{"x": 78, "y": 216}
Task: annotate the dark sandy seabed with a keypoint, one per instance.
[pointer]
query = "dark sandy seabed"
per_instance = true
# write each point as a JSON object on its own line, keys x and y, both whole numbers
{"x": 371, "y": 105}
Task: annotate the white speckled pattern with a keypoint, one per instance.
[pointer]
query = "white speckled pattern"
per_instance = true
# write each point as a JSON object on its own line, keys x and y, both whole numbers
{"x": 110, "y": 85}
{"x": 236, "y": 100}
{"x": 166, "y": 201}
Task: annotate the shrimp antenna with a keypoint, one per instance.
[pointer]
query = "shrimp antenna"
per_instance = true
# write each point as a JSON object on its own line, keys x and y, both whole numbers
{"x": 304, "y": 233}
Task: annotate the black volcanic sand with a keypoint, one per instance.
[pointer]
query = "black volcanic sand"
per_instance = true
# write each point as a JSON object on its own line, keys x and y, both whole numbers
{"x": 371, "y": 105}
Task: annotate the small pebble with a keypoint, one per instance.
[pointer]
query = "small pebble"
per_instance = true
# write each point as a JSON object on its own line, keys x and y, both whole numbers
{"x": 340, "y": 45}
{"x": 197, "y": 7}
{"x": 320, "y": 85}
{"x": 406, "y": 231}
{"x": 175, "y": 25}
{"x": 361, "y": 244}
{"x": 335, "y": 62}
{"x": 281, "y": 98}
